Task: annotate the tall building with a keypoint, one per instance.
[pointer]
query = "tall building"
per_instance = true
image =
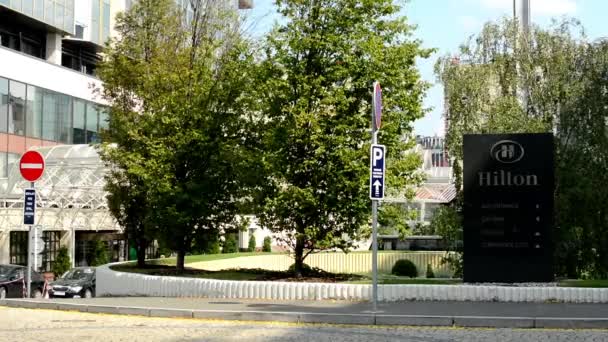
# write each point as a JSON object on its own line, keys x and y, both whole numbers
{"x": 49, "y": 50}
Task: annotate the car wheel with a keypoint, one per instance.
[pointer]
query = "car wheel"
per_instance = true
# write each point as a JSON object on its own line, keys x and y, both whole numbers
{"x": 88, "y": 293}
{"x": 37, "y": 293}
{"x": 2, "y": 292}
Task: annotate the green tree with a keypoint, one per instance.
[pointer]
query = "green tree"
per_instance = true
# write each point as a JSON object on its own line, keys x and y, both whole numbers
{"x": 251, "y": 246}
{"x": 230, "y": 243}
{"x": 564, "y": 77}
{"x": 62, "y": 262}
{"x": 267, "y": 244}
{"x": 319, "y": 69}
{"x": 179, "y": 118}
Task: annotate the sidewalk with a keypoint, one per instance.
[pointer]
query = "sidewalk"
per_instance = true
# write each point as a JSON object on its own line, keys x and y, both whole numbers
{"x": 464, "y": 314}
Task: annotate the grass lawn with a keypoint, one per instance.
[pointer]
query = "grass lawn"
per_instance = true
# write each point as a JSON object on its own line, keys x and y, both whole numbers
{"x": 584, "y": 283}
{"x": 237, "y": 274}
{"x": 389, "y": 279}
{"x": 207, "y": 257}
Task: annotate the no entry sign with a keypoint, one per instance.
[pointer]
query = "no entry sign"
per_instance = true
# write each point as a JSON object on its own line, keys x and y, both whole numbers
{"x": 31, "y": 165}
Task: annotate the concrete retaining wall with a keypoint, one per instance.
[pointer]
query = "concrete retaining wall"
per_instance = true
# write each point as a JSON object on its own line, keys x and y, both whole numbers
{"x": 111, "y": 283}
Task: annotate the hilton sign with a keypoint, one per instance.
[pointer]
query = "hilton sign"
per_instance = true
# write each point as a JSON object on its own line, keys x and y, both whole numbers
{"x": 508, "y": 207}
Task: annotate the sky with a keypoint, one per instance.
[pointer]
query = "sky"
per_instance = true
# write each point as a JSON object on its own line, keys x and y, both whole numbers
{"x": 445, "y": 24}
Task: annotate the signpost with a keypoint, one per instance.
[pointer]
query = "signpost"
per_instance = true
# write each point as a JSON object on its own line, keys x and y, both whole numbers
{"x": 31, "y": 167}
{"x": 376, "y": 183}
{"x": 508, "y": 207}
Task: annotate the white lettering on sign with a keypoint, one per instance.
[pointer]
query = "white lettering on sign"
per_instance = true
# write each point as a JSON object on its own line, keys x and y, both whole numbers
{"x": 378, "y": 155}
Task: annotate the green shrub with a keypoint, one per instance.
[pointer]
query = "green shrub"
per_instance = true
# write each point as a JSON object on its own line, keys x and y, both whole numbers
{"x": 267, "y": 244}
{"x": 455, "y": 262}
{"x": 252, "y": 242}
{"x": 429, "y": 271}
{"x": 212, "y": 247}
{"x": 404, "y": 267}
{"x": 230, "y": 243}
{"x": 62, "y": 262}
{"x": 100, "y": 253}
{"x": 306, "y": 270}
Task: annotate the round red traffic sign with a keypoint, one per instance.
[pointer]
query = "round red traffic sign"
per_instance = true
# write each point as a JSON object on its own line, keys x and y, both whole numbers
{"x": 31, "y": 165}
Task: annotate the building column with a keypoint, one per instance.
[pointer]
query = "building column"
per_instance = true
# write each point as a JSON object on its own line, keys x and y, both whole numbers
{"x": 5, "y": 247}
{"x": 53, "y": 48}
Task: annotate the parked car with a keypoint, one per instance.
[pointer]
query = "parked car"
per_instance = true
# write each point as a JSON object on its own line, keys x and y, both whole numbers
{"x": 78, "y": 282}
{"x": 12, "y": 282}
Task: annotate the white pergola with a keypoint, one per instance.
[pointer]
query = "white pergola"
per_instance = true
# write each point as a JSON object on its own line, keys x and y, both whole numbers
{"x": 69, "y": 195}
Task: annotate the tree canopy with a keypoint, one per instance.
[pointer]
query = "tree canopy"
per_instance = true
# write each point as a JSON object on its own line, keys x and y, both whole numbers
{"x": 318, "y": 71}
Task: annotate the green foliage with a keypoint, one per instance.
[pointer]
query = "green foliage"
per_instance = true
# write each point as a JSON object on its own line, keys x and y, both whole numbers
{"x": 305, "y": 269}
{"x": 230, "y": 243}
{"x": 405, "y": 268}
{"x": 317, "y": 78}
{"x": 394, "y": 218}
{"x": 429, "y": 271}
{"x": 99, "y": 253}
{"x": 251, "y": 246}
{"x": 182, "y": 138}
{"x": 565, "y": 77}
{"x": 455, "y": 262}
{"x": 267, "y": 247}
{"x": 62, "y": 262}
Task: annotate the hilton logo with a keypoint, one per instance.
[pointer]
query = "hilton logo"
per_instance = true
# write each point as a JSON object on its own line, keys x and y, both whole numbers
{"x": 507, "y": 151}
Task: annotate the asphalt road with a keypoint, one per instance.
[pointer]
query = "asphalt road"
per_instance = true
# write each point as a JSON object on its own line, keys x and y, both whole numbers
{"x": 422, "y": 308}
{"x": 50, "y": 325}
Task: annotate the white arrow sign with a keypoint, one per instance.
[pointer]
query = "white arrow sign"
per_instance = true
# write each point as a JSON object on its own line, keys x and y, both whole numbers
{"x": 377, "y": 170}
{"x": 377, "y": 186}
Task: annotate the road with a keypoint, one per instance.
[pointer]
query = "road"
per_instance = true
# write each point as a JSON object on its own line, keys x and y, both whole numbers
{"x": 48, "y": 325}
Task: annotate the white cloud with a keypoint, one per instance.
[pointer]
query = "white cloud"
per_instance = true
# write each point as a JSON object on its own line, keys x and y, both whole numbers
{"x": 537, "y": 7}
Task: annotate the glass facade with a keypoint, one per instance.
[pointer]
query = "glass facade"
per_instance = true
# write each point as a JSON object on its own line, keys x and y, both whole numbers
{"x": 18, "y": 248}
{"x": 56, "y": 13}
{"x": 38, "y": 113}
{"x": 100, "y": 21}
{"x": 51, "y": 249}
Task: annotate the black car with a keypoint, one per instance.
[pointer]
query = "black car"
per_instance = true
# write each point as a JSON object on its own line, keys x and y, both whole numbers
{"x": 13, "y": 280}
{"x": 78, "y": 282}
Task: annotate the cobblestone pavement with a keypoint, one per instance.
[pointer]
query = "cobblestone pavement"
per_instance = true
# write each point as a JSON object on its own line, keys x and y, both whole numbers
{"x": 48, "y": 325}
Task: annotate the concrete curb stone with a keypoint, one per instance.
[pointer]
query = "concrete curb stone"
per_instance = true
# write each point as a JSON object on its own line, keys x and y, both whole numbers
{"x": 170, "y": 313}
{"x": 571, "y": 323}
{"x": 494, "y": 322}
{"x": 437, "y": 321}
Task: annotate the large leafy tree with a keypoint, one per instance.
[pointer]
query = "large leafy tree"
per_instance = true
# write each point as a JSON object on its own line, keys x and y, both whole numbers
{"x": 564, "y": 77}
{"x": 319, "y": 69}
{"x": 180, "y": 132}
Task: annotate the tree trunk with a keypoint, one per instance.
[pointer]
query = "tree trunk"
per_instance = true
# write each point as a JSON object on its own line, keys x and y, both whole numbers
{"x": 141, "y": 246}
{"x": 181, "y": 256}
{"x": 299, "y": 256}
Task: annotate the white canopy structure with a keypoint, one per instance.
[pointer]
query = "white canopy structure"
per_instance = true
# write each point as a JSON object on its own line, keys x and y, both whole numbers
{"x": 69, "y": 195}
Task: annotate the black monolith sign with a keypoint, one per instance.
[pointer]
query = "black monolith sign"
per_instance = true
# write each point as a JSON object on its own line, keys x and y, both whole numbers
{"x": 508, "y": 207}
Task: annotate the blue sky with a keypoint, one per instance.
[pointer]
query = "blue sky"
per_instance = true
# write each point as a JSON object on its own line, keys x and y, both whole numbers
{"x": 445, "y": 24}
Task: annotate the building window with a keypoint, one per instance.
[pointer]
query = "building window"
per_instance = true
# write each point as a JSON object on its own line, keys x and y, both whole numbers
{"x": 51, "y": 247}
{"x": 105, "y": 33}
{"x": 4, "y": 101}
{"x": 78, "y": 128}
{"x": 33, "y": 122}
{"x": 92, "y": 123}
{"x": 16, "y": 108}
{"x": 18, "y": 248}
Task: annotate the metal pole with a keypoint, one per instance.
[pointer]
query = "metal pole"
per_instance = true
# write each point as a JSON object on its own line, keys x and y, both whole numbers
{"x": 374, "y": 221}
{"x": 31, "y": 250}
